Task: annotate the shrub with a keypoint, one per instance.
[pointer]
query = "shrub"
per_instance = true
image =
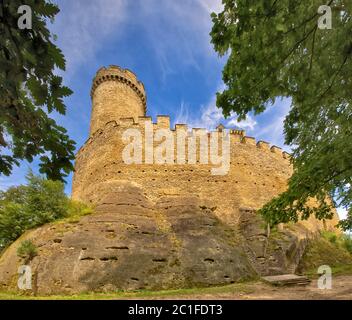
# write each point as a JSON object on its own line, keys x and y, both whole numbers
{"x": 14, "y": 220}
{"x": 330, "y": 236}
{"x": 347, "y": 243}
{"x": 342, "y": 241}
{"x": 76, "y": 210}
{"x": 27, "y": 250}
{"x": 320, "y": 251}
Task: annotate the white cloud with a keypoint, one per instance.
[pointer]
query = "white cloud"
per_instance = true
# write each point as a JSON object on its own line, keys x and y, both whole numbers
{"x": 177, "y": 31}
{"x": 248, "y": 124}
{"x": 83, "y": 25}
{"x": 211, "y": 5}
{"x": 184, "y": 39}
{"x": 183, "y": 115}
{"x": 210, "y": 117}
{"x": 342, "y": 213}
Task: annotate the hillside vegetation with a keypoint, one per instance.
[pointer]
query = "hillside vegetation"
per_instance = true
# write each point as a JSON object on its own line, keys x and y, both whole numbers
{"x": 38, "y": 202}
{"x": 329, "y": 249}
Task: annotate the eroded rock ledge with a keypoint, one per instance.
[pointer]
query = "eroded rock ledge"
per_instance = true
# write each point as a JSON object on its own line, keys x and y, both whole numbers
{"x": 134, "y": 243}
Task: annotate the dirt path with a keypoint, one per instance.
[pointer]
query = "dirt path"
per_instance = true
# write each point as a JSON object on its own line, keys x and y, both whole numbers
{"x": 341, "y": 289}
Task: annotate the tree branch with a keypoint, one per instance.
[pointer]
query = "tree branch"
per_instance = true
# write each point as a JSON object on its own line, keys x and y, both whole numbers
{"x": 311, "y": 58}
{"x": 333, "y": 79}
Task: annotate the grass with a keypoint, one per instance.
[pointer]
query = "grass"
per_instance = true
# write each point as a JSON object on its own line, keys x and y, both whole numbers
{"x": 329, "y": 249}
{"x": 27, "y": 250}
{"x": 337, "y": 270}
{"x": 75, "y": 212}
{"x": 238, "y": 288}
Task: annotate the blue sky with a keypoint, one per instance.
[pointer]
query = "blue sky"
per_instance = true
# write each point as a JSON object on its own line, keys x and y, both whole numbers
{"x": 167, "y": 44}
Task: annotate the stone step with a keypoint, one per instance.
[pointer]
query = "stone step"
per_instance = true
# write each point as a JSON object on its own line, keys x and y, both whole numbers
{"x": 286, "y": 279}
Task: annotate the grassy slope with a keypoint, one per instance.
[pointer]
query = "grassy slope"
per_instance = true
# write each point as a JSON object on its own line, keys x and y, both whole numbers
{"x": 323, "y": 251}
{"x": 233, "y": 288}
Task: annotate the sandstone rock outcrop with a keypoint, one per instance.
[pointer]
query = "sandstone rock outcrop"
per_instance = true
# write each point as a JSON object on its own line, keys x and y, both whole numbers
{"x": 133, "y": 243}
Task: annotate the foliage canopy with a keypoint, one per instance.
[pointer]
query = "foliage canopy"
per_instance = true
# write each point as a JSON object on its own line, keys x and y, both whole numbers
{"x": 275, "y": 49}
{"x": 30, "y": 91}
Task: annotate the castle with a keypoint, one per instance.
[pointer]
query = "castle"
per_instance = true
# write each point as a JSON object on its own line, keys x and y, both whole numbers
{"x": 258, "y": 172}
{"x": 162, "y": 225}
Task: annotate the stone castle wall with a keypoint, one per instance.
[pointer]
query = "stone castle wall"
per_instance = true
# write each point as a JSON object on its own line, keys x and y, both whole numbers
{"x": 116, "y": 92}
{"x": 257, "y": 172}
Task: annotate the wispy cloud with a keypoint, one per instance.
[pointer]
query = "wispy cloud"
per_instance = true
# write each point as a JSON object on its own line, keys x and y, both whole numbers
{"x": 342, "y": 212}
{"x": 178, "y": 32}
{"x": 82, "y": 27}
{"x": 211, "y": 5}
{"x": 210, "y": 117}
{"x": 268, "y": 126}
{"x": 271, "y": 123}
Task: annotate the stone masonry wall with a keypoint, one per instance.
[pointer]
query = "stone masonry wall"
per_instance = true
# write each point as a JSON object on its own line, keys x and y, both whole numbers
{"x": 257, "y": 172}
{"x": 116, "y": 92}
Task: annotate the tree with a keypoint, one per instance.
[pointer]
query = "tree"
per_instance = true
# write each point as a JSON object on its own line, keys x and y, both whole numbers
{"x": 276, "y": 49}
{"x": 38, "y": 202}
{"x": 30, "y": 91}
{"x": 28, "y": 206}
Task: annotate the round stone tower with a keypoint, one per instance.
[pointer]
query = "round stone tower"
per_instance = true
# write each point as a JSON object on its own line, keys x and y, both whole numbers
{"x": 116, "y": 93}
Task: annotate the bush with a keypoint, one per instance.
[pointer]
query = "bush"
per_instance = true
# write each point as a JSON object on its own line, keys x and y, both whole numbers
{"x": 38, "y": 202}
{"x": 76, "y": 208}
{"x": 330, "y": 236}
{"x": 27, "y": 250}
{"x": 14, "y": 221}
{"x": 342, "y": 241}
{"x": 347, "y": 243}
{"x": 320, "y": 251}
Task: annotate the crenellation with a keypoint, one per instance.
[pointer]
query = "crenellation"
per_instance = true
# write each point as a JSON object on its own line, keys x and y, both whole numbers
{"x": 125, "y": 122}
{"x": 220, "y": 127}
{"x": 276, "y": 150}
{"x": 263, "y": 145}
{"x": 179, "y": 126}
{"x": 144, "y": 119}
{"x": 163, "y": 122}
{"x": 241, "y": 133}
{"x": 287, "y": 155}
{"x": 199, "y": 131}
{"x": 249, "y": 140}
{"x": 235, "y": 138}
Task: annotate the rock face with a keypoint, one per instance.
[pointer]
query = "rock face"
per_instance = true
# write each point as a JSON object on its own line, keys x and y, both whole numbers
{"x": 132, "y": 243}
{"x": 273, "y": 253}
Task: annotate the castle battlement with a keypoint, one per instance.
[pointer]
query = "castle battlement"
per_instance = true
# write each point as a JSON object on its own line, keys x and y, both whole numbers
{"x": 255, "y": 170}
{"x": 163, "y": 122}
{"x": 116, "y": 93}
{"x": 116, "y": 73}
